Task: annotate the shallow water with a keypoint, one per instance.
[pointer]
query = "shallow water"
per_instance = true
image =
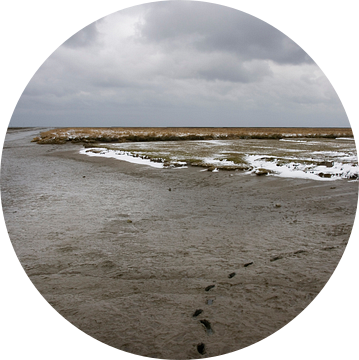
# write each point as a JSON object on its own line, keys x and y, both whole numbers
{"x": 128, "y": 262}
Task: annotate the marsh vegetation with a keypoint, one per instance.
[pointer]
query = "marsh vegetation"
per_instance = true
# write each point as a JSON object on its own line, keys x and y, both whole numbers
{"x": 138, "y": 134}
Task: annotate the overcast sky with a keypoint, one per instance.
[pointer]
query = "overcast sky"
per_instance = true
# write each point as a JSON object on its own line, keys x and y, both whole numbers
{"x": 179, "y": 64}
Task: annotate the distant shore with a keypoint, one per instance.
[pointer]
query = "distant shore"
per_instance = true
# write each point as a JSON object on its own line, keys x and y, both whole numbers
{"x": 136, "y": 134}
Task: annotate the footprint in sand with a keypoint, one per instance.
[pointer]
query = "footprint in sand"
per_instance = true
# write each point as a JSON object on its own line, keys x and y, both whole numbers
{"x": 275, "y": 258}
{"x": 197, "y": 312}
{"x": 328, "y": 248}
{"x": 207, "y": 325}
{"x": 299, "y": 252}
{"x": 201, "y": 348}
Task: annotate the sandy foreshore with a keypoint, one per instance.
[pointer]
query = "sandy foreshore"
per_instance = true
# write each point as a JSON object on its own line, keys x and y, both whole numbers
{"x": 125, "y": 252}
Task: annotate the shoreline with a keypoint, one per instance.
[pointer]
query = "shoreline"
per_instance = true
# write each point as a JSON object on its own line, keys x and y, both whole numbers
{"x": 124, "y": 258}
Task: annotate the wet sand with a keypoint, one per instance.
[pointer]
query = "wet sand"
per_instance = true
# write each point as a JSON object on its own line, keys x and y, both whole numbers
{"x": 128, "y": 261}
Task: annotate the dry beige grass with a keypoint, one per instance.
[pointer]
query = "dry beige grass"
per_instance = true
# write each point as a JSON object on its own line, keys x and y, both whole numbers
{"x": 92, "y": 135}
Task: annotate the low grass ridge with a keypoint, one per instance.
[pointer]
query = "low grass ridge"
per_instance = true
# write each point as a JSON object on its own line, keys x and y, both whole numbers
{"x": 142, "y": 134}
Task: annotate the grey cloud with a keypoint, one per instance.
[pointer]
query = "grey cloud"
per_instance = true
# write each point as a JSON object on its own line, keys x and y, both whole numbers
{"x": 224, "y": 74}
{"x": 85, "y": 37}
{"x": 179, "y": 64}
{"x": 111, "y": 82}
{"x": 41, "y": 87}
{"x": 235, "y": 71}
{"x": 217, "y": 28}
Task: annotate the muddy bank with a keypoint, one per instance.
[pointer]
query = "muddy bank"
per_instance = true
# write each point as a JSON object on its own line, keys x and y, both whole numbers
{"x": 126, "y": 252}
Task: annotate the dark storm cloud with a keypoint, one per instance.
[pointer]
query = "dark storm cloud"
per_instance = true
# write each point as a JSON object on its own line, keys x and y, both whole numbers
{"x": 219, "y": 28}
{"x": 179, "y": 64}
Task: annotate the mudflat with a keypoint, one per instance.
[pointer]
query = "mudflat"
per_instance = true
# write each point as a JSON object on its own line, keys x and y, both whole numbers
{"x": 130, "y": 254}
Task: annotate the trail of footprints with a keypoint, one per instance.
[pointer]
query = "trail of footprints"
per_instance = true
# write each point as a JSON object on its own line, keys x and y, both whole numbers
{"x": 201, "y": 347}
{"x": 304, "y": 252}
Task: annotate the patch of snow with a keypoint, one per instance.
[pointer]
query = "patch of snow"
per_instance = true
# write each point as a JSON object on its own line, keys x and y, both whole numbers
{"x": 303, "y": 171}
{"x": 120, "y": 155}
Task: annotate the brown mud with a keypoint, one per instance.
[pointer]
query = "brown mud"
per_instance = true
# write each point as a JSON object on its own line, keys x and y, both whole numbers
{"x": 128, "y": 261}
